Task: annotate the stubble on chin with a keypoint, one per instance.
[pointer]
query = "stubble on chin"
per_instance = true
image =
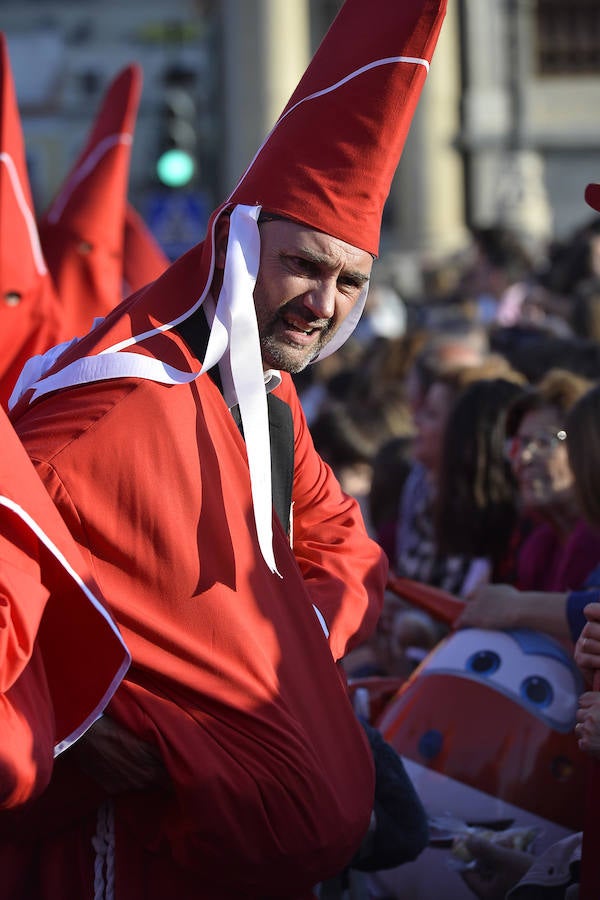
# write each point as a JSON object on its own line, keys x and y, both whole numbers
{"x": 279, "y": 356}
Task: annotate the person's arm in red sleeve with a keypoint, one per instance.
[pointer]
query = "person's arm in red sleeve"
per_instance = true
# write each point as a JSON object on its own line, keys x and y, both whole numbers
{"x": 344, "y": 569}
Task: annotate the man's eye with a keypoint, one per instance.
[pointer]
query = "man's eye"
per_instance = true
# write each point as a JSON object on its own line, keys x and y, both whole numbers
{"x": 349, "y": 287}
{"x": 303, "y": 265}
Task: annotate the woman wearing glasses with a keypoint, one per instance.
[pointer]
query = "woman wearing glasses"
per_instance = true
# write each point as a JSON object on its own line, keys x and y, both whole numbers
{"x": 550, "y": 429}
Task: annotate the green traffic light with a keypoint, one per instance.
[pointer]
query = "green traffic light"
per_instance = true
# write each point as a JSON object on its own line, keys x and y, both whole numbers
{"x": 175, "y": 168}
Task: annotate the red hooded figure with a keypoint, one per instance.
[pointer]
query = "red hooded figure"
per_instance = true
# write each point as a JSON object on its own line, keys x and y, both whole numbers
{"x": 30, "y": 315}
{"x": 83, "y": 232}
{"x": 236, "y": 618}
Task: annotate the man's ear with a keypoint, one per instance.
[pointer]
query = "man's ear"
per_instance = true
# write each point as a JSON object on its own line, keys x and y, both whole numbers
{"x": 221, "y": 238}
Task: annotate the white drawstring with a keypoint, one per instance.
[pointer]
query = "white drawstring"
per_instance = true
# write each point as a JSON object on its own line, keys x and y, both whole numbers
{"x": 235, "y": 321}
{"x": 103, "y": 843}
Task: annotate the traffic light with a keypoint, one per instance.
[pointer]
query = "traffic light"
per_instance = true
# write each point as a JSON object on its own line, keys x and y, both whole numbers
{"x": 176, "y": 165}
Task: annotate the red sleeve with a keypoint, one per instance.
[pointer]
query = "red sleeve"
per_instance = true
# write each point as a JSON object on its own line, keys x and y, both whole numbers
{"x": 22, "y": 602}
{"x": 344, "y": 570}
{"x": 26, "y": 719}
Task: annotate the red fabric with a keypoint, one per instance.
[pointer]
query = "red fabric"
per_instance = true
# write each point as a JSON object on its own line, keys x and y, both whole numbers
{"x": 489, "y": 742}
{"x": 592, "y": 196}
{"x": 440, "y": 604}
{"x": 232, "y": 677}
{"x": 342, "y": 177}
{"x": 548, "y": 563}
{"x": 27, "y": 723}
{"x": 342, "y": 568}
{"x": 29, "y": 310}
{"x": 82, "y": 233}
{"x": 60, "y": 658}
{"x": 143, "y": 258}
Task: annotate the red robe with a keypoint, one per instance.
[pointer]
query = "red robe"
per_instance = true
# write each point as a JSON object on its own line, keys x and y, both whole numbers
{"x": 232, "y": 677}
{"x": 61, "y": 657}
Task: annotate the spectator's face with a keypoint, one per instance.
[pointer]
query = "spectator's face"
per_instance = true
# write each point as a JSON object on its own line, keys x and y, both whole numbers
{"x": 308, "y": 283}
{"x": 539, "y": 459}
{"x": 430, "y": 422}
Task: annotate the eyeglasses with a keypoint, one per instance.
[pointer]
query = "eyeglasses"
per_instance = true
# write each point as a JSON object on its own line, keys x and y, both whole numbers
{"x": 539, "y": 444}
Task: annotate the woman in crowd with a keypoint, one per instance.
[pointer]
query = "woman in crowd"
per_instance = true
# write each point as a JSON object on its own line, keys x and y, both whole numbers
{"x": 460, "y": 444}
{"x": 556, "y": 463}
{"x": 562, "y": 547}
{"x": 476, "y": 513}
{"x": 418, "y": 556}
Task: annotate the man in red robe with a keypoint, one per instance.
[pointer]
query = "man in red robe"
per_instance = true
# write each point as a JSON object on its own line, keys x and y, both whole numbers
{"x": 172, "y": 440}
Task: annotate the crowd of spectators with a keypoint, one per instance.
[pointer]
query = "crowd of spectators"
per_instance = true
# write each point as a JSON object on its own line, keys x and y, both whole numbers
{"x": 467, "y": 432}
{"x": 421, "y": 418}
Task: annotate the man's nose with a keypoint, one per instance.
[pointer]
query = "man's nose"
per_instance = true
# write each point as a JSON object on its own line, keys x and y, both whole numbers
{"x": 320, "y": 300}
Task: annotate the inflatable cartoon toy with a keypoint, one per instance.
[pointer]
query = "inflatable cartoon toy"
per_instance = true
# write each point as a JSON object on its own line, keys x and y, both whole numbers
{"x": 485, "y": 728}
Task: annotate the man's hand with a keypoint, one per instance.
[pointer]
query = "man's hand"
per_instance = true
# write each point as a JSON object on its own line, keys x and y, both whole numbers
{"x": 587, "y": 648}
{"x": 117, "y": 759}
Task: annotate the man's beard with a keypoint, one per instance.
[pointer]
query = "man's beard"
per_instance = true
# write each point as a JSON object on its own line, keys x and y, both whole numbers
{"x": 278, "y": 354}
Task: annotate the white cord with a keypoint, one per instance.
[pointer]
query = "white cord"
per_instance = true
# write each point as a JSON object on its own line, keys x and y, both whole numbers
{"x": 103, "y": 843}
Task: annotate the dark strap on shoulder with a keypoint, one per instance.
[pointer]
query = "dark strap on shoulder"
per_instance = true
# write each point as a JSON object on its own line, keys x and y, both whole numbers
{"x": 281, "y": 430}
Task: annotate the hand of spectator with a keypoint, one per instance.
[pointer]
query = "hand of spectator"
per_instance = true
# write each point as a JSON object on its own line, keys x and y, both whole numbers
{"x": 490, "y": 606}
{"x": 498, "y": 868}
{"x": 587, "y": 729}
{"x": 117, "y": 759}
{"x": 587, "y": 648}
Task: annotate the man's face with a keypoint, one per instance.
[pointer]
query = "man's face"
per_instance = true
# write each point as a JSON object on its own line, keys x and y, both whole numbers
{"x": 308, "y": 282}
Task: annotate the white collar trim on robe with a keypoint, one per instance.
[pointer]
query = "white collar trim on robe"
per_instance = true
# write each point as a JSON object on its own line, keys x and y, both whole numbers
{"x": 233, "y": 342}
{"x": 59, "y": 556}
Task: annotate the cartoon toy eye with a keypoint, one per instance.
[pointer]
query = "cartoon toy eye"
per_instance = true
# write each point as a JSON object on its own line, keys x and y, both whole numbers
{"x": 525, "y": 666}
{"x": 537, "y": 690}
{"x": 484, "y": 662}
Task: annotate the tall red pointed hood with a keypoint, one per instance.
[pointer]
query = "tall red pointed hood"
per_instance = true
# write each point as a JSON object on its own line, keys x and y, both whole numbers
{"x": 29, "y": 311}
{"x": 143, "y": 258}
{"x": 330, "y": 159}
{"x": 82, "y": 232}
